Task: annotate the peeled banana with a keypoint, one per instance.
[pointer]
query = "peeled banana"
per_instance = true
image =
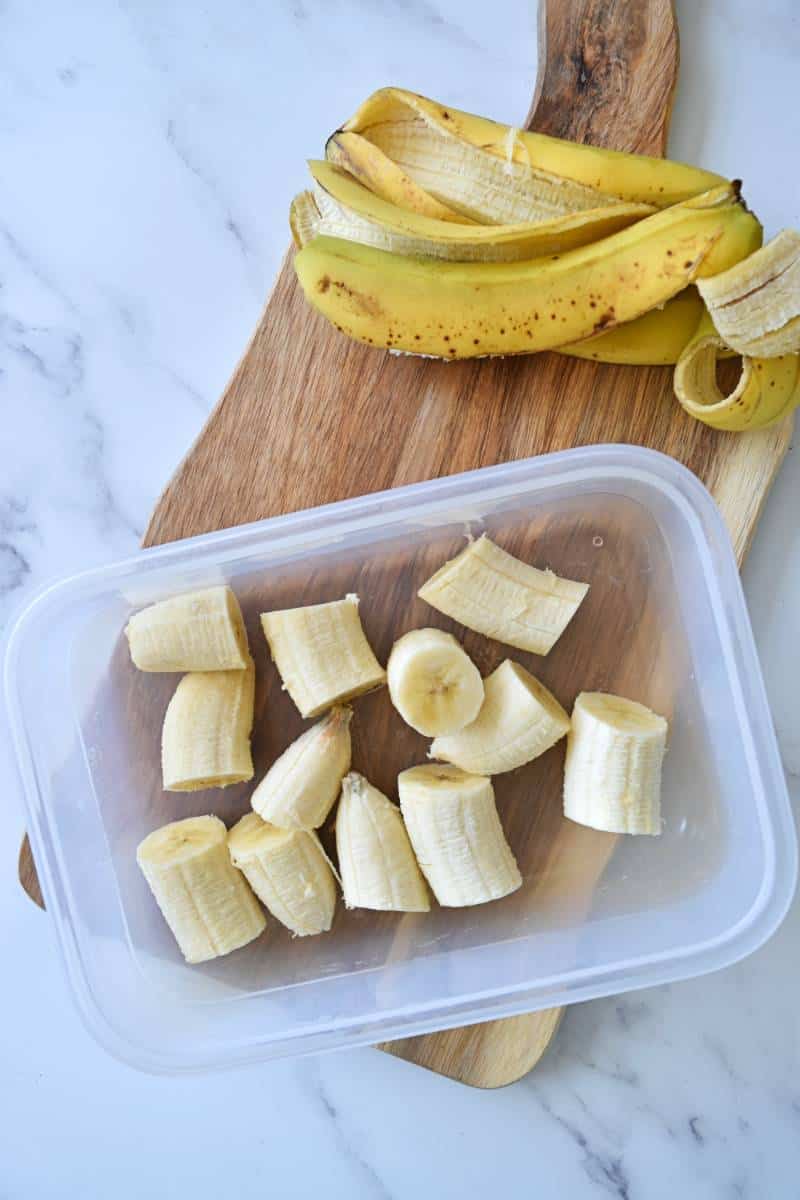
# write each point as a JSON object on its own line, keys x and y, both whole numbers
{"x": 490, "y": 591}
{"x": 612, "y": 777}
{"x": 755, "y": 304}
{"x": 376, "y": 862}
{"x": 198, "y": 631}
{"x": 520, "y": 719}
{"x": 322, "y": 654}
{"x": 300, "y": 788}
{"x": 433, "y": 683}
{"x": 206, "y": 902}
{"x": 456, "y": 833}
{"x": 393, "y": 118}
{"x": 288, "y": 871}
{"x": 465, "y": 310}
{"x": 767, "y": 391}
{"x": 205, "y": 740}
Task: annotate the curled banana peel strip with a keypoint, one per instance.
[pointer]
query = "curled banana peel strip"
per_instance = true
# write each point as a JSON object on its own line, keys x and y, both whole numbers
{"x": 768, "y": 389}
{"x": 755, "y": 304}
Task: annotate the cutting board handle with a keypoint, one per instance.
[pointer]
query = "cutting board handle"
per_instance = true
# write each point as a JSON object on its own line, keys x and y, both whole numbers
{"x": 607, "y": 72}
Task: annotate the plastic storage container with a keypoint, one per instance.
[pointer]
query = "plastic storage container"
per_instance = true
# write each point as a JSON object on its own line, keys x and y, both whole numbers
{"x": 664, "y": 622}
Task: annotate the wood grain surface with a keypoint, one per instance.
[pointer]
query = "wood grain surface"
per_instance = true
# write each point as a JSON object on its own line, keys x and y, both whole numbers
{"x": 309, "y": 417}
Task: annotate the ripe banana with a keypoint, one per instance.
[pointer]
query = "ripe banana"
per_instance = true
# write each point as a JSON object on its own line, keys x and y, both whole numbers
{"x": 767, "y": 391}
{"x": 288, "y": 871}
{"x": 376, "y": 861}
{"x": 433, "y": 683}
{"x": 656, "y": 339}
{"x": 490, "y": 591}
{"x": 456, "y": 833}
{"x": 322, "y": 654}
{"x": 755, "y": 304}
{"x": 519, "y": 721}
{"x": 612, "y": 778}
{"x": 198, "y": 631}
{"x": 465, "y": 310}
{"x": 205, "y": 740}
{"x": 370, "y": 166}
{"x": 206, "y": 902}
{"x": 300, "y": 788}
{"x": 397, "y": 120}
{"x": 341, "y": 207}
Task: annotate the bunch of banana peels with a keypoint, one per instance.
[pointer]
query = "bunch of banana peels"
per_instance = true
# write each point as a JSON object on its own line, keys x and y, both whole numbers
{"x": 432, "y": 231}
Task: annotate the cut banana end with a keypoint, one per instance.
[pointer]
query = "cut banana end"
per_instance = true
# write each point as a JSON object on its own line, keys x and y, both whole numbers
{"x": 288, "y": 871}
{"x": 767, "y": 391}
{"x": 300, "y": 788}
{"x": 454, "y": 828}
{"x": 612, "y": 778}
{"x": 206, "y": 902}
{"x": 376, "y": 862}
{"x": 433, "y": 683}
{"x": 199, "y": 631}
{"x": 490, "y": 591}
{"x": 755, "y": 304}
{"x": 205, "y": 740}
{"x": 519, "y": 720}
{"x": 322, "y": 654}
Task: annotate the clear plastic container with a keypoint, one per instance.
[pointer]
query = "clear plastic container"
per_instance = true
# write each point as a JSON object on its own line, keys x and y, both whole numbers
{"x": 664, "y": 622}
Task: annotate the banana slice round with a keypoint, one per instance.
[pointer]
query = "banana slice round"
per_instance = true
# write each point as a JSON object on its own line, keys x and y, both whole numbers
{"x": 456, "y": 833}
{"x": 300, "y": 788}
{"x": 519, "y": 720}
{"x": 433, "y": 683}
{"x": 206, "y": 902}
{"x": 612, "y": 777}
{"x": 288, "y": 871}
{"x": 376, "y": 862}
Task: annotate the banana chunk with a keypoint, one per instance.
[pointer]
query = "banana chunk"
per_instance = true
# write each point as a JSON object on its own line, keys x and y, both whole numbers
{"x": 301, "y": 786}
{"x": 376, "y": 862}
{"x": 206, "y": 902}
{"x": 519, "y": 720}
{"x": 288, "y": 871}
{"x": 612, "y": 778}
{"x": 456, "y": 833}
{"x": 322, "y": 654}
{"x": 755, "y": 304}
{"x": 205, "y": 740}
{"x": 199, "y": 631}
{"x": 433, "y": 683}
{"x": 490, "y": 591}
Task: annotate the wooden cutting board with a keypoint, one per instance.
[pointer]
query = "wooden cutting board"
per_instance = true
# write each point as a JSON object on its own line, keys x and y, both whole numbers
{"x": 310, "y": 417}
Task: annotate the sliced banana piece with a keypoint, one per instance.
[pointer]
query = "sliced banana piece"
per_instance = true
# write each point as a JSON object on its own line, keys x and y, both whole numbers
{"x": 376, "y": 862}
{"x": 433, "y": 683}
{"x": 456, "y": 833}
{"x": 490, "y": 591}
{"x": 519, "y": 720}
{"x": 288, "y": 871}
{"x": 612, "y": 778}
{"x": 198, "y": 631}
{"x": 301, "y": 786}
{"x": 205, "y": 740}
{"x": 206, "y": 902}
{"x": 322, "y": 654}
{"x": 755, "y": 305}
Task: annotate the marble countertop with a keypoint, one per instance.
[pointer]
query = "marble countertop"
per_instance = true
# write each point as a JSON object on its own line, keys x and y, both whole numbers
{"x": 149, "y": 152}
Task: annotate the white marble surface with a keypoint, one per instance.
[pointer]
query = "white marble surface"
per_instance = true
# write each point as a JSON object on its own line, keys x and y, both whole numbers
{"x": 148, "y": 151}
